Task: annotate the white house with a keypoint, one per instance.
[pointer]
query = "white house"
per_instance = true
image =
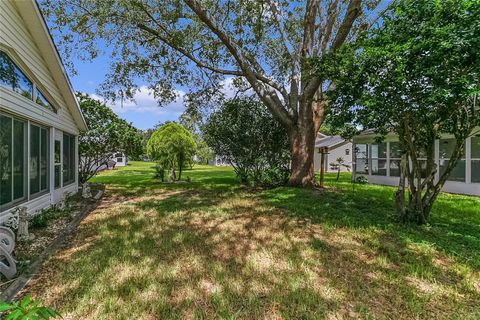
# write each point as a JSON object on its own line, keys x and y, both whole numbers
{"x": 121, "y": 159}
{"x": 337, "y": 148}
{"x": 40, "y": 118}
{"x": 379, "y": 162}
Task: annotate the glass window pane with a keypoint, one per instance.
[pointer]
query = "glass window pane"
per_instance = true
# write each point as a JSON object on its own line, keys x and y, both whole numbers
{"x": 7, "y": 71}
{"x": 395, "y": 151}
{"x": 446, "y": 148}
{"x": 457, "y": 174}
{"x": 41, "y": 100}
{"x": 379, "y": 167}
{"x": 18, "y": 160}
{"x": 5, "y": 160}
{"x": 22, "y": 84}
{"x": 72, "y": 158}
{"x": 379, "y": 150}
{"x": 395, "y": 168}
{"x": 66, "y": 158}
{"x": 476, "y": 171}
{"x": 361, "y": 166}
{"x": 57, "y": 175}
{"x": 361, "y": 151}
{"x": 34, "y": 159}
{"x": 43, "y": 159}
{"x": 57, "y": 152}
{"x": 475, "y": 147}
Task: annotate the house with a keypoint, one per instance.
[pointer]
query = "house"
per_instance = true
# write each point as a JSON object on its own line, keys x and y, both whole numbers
{"x": 337, "y": 148}
{"x": 379, "y": 162}
{"x": 40, "y": 118}
{"x": 121, "y": 159}
{"x": 219, "y": 161}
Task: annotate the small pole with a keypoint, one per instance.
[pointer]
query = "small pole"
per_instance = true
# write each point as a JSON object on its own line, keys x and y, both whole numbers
{"x": 322, "y": 165}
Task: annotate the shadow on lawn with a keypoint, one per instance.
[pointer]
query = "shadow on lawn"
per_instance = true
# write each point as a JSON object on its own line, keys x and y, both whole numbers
{"x": 204, "y": 253}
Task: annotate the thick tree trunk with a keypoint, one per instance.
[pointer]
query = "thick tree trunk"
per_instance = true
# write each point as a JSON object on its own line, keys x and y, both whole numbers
{"x": 302, "y": 147}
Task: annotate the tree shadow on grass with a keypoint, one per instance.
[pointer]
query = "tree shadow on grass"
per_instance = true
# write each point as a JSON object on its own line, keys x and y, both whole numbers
{"x": 201, "y": 253}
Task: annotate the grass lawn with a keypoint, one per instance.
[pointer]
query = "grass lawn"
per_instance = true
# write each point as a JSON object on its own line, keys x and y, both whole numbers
{"x": 213, "y": 249}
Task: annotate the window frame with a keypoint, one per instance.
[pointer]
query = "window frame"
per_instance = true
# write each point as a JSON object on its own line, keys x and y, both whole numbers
{"x": 378, "y": 159}
{"x": 41, "y": 191}
{"x": 71, "y": 159}
{"x": 472, "y": 158}
{"x": 14, "y": 202}
{"x": 447, "y": 159}
{"x": 18, "y": 64}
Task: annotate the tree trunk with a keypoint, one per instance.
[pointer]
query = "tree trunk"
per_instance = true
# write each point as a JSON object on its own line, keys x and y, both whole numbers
{"x": 302, "y": 147}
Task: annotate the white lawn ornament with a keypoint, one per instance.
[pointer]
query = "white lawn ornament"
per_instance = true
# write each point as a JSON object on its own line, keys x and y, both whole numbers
{"x": 7, "y": 238}
{"x": 7, "y": 243}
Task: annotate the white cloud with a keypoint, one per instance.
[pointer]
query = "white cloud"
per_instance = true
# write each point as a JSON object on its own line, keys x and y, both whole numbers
{"x": 145, "y": 102}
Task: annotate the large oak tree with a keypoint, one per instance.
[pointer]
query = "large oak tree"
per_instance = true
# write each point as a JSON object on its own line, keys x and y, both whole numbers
{"x": 266, "y": 44}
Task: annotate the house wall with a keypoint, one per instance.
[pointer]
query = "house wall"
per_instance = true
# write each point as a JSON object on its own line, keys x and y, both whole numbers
{"x": 468, "y": 187}
{"x": 18, "y": 43}
{"x": 338, "y": 151}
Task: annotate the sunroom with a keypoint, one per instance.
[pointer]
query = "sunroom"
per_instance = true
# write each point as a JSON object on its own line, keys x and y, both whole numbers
{"x": 39, "y": 116}
{"x": 380, "y": 162}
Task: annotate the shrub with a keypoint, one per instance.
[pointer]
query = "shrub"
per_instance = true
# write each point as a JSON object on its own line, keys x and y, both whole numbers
{"x": 160, "y": 172}
{"x": 361, "y": 180}
{"x": 244, "y": 134}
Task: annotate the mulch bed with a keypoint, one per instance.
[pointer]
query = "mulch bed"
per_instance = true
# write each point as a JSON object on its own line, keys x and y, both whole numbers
{"x": 31, "y": 254}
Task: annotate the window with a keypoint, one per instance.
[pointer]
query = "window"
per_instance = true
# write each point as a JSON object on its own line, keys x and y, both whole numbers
{"x": 38, "y": 159}
{"x": 12, "y": 78}
{"x": 378, "y": 153}
{"x": 347, "y": 152}
{"x": 475, "y": 147}
{"x": 57, "y": 164}
{"x": 361, "y": 158}
{"x": 41, "y": 100}
{"x": 446, "y": 149}
{"x": 68, "y": 159}
{"x": 119, "y": 159}
{"x": 12, "y": 161}
{"x": 395, "y": 155}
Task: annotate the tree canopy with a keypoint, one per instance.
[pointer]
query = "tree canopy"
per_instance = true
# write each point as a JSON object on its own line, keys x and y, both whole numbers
{"x": 173, "y": 147}
{"x": 264, "y": 45}
{"x": 106, "y": 134}
{"x": 417, "y": 75}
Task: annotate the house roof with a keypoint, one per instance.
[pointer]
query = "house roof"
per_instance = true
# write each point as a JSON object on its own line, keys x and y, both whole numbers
{"x": 37, "y": 26}
{"x": 329, "y": 141}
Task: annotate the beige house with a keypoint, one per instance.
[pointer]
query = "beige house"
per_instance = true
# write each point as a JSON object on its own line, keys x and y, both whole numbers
{"x": 40, "y": 118}
{"x": 379, "y": 162}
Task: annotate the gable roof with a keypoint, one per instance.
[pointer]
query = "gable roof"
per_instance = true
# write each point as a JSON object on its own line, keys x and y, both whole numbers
{"x": 36, "y": 25}
{"x": 329, "y": 141}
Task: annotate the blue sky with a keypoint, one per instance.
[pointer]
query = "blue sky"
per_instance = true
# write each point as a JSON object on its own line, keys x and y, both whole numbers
{"x": 144, "y": 114}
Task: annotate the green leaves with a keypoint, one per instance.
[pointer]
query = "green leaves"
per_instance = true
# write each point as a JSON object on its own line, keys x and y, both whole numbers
{"x": 106, "y": 134}
{"x": 172, "y": 146}
{"x": 26, "y": 309}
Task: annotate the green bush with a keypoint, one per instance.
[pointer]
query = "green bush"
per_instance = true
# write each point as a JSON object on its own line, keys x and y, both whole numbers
{"x": 26, "y": 309}
{"x": 160, "y": 172}
{"x": 361, "y": 180}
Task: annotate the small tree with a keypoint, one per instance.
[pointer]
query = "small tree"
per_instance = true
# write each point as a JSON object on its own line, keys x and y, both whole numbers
{"x": 173, "y": 147}
{"x": 418, "y": 76}
{"x": 338, "y": 164}
{"x": 106, "y": 134}
{"x": 203, "y": 152}
{"x": 245, "y": 134}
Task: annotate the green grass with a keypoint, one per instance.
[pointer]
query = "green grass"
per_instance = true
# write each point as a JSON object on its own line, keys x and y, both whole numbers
{"x": 211, "y": 248}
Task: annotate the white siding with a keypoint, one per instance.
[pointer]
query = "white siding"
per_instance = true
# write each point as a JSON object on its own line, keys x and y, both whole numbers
{"x": 338, "y": 151}
{"x": 18, "y": 43}
{"x": 15, "y": 35}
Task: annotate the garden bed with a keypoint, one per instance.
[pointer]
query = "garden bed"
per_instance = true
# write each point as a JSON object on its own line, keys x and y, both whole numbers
{"x": 50, "y": 228}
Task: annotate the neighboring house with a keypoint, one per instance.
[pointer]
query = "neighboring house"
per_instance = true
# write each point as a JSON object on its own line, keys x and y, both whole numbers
{"x": 40, "y": 118}
{"x": 121, "y": 159}
{"x": 337, "y": 148}
{"x": 218, "y": 161}
{"x": 379, "y": 162}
